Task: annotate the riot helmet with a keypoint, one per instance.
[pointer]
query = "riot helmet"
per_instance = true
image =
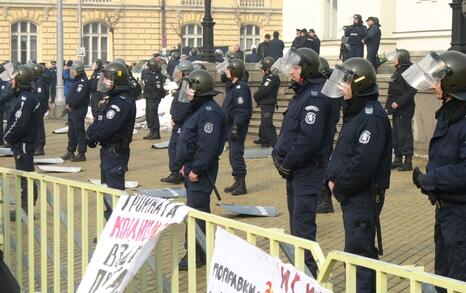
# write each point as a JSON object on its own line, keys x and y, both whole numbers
{"x": 112, "y": 77}
{"x": 23, "y": 77}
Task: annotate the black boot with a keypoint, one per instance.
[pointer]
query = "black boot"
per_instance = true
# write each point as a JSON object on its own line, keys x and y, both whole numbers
{"x": 81, "y": 157}
{"x": 156, "y": 134}
{"x": 397, "y": 162}
{"x": 173, "y": 178}
{"x": 407, "y": 165}
{"x": 259, "y": 141}
{"x": 39, "y": 151}
{"x": 240, "y": 188}
{"x": 183, "y": 264}
{"x": 324, "y": 203}
{"x": 150, "y": 135}
{"x": 68, "y": 156}
{"x": 233, "y": 186}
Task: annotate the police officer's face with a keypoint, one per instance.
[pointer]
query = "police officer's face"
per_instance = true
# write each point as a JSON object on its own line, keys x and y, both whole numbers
{"x": 437, "y": 86}
{"x": 228, "y": 73}
{"x": 73, "y": 73}
{"x": 295, "y": 73}
{"x": 347, "y": 91}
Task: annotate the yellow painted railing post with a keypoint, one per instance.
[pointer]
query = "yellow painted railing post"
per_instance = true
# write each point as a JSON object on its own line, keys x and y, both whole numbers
{"x": 70, "y": 236}
{"x": 175, "y": 280}
{"x": 299, "y": 258}
{"x": 85, "y": 228}
{"x": 5, "y": 198}
{"x": 414, "y": 286}
{"x": 19, "y": 231}
{"x": 350, "y": 277}
{"x": 209, "y": 246}
{"x": 274, "y": 248}
{"x": 30, "y": 220}
{"x": 56, "y": 237}
{"x": 381, "y": 282}
{"x": 158, "y": 268}
{"x": 43, "y": 236}
{"x": 100, "y": 213}
{"x": 191, "y": 254}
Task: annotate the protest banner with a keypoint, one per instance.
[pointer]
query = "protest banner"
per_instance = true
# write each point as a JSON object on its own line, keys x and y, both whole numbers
{"x": 238, "y": 266}
{"x": 127, "y": 240}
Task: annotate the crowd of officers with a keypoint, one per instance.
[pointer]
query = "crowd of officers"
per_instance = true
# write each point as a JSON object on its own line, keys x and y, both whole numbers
{"x": 356, "y": 171}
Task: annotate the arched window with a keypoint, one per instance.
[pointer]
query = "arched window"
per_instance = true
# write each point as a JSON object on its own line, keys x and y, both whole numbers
{"x": 192, "y": 35}
{"x": 95, "y": 40}
{"x": 23, "y": 41}
{"x": 250, "y": 36}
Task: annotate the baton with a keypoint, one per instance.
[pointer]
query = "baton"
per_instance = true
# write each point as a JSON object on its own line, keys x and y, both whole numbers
{"x": 378, "y": 229}
{"x": 214, "y": 187}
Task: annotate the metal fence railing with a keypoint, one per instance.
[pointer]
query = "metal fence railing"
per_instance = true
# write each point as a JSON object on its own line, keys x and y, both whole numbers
{"x": 49, "y": 246}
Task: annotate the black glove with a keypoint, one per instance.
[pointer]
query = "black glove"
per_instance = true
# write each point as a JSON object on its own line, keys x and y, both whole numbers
{"x": 90, "y": 143}
{"x": 418, "y": 177}
{"x": 235, "y": 133}
{"x": 278, "y": 162}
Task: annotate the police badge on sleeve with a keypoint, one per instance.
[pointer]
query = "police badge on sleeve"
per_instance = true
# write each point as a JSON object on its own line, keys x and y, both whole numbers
{"x": 365, "y": 137}
{"x": 208, "y": 127}
{"x": 310, "y": 118}
{"x": 110, "y": 114}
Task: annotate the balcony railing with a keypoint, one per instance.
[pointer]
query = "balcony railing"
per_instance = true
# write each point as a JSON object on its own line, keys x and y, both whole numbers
{"x": 251, "y": 3}
{"x": 192, "y": 2}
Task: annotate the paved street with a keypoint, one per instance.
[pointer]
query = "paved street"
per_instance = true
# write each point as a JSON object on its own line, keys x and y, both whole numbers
{"x": 407, "y": 218}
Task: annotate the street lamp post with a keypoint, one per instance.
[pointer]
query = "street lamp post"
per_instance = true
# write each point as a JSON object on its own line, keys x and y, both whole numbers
{"x": 458, "y": 28}
{"x": 60, "y": 97}
{"x": 208, "y": 33}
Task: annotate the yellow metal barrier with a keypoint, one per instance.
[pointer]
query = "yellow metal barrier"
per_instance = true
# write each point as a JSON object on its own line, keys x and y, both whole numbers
{"x": 60, "y": 241}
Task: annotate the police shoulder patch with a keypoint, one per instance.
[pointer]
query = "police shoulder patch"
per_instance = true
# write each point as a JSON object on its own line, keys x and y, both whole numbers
{"x": 365, "y": 137}
{"x": 238, "y": 86}
{"x": 80, "y": 88}
{"x": 369, "y": 110}
{"x": 208, "y": 108}
{"x": 18, "y": 114}
{"x": 208, "y": 127}
{"x": 266, "y": 83}
{"x": 240, "y": 100}
{"x": 310, "y": 118}
{"x": 312, "y": 108}
{"x": 39, "y": 90}
{"x": 116, "y": 108}
{"x": 23, "y": 98}
{"x": 3, "y": 86}
{"x": 314, "y": 93}
{"x": 123, "y": 97}
{"x": 110, "y": 114}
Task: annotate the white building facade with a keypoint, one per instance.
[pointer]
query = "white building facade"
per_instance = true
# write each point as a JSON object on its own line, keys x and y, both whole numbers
{"x": 415, "y": 25}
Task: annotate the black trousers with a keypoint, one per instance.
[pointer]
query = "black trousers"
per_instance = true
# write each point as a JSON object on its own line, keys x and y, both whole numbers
{"x": 236, "y": 154}
{"x": 402, "y": 132}
{"x": 372, "y": 55}
{"x": 152, "y": 113}
{"x": 356, "y": 51}
{"x": 76, "y": 132}
{"x": 267, "y": 131}
{"x": 1, "y": 124}
{"x": 25, "y": 162}
{"x": 172, "y": 150}
{"x": 40, "y": 139}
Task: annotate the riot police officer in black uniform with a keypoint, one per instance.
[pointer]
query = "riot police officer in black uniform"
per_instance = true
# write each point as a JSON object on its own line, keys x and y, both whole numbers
{"x": 113, "y": 128}
{"x": 96, "y": 96}
{"x": 154, "y": 92}
{"x": 222, "y": 68}
{"x": 400, "y": 103}
{"x": 237, "y": 107}
{"x": 77, "y": 102}
{"x": 356, "y": 33}
{"x": 23, "y": 126}
{"x": 266, "y": 99}
{"x": 303, "y": 143}
{"x": 7, "y": 96}
{"x": 359, "y": 169}
{"x": 199, "y": 146}
{"x": 41, "y": 89}
{"x": 173, "y": 62}
{"x": 444, "y": 182}
{"x": 179, "y": 111}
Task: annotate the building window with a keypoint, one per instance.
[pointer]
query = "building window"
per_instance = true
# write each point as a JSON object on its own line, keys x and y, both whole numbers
{"x": 192, "y": 35}
{"x": 95, "y": 40}
{"x": 23, "y": 41}
{"x": 330, "y": 21}
{"x": 250, "y": 36}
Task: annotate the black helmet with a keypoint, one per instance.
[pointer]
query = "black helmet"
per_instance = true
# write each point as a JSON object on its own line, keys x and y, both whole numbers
{"x": 37, "y": 69}
{"x": 404, "y": 57}
{"x": 185, "y": 66}
{"x": 194, "y": 52}
{"x": 231, "y": 55}
{"x": 362, "y": 74}
{"x": 197, "y": 65}
{"x": 236, "y": 67}
{"x": 324, "y": 67}
{"x": 78, "y": 66}
{"x": 116, "y": 72}
{"x": 202, "y": 82}
{"x": 454, "y": 83}
{"x": 267, "y": 63}
{"x": 24, "y": 77}
{"x": 98, "y": 62}
{"x": 153, "y": 65}
{"x": 309, "y": 62}
{"x": 176, "y": 55}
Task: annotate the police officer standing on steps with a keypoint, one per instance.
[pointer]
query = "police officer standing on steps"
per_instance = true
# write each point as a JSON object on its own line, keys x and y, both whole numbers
{"x": 199, "y": 146}
{"x": 266, "y": 99}
{"x": 179, "y": 110}
{"x": 356, "y": 33}
{"x": 7, "y": 95}
{"x": 237, "y": 107}
{"x": 400, "y": 104}
{"x": 359, "y": 169}
{"x": 302, "y": 145}
{"x": 154, "y": 92}
{"x": 113, "y": 128}
{"x": 23, "y": 125}
{"x": 444, "y": 182}
{"x": 41, "y": 89}
{"x": 77, "y": 102}
{"x": 96, "y": 96}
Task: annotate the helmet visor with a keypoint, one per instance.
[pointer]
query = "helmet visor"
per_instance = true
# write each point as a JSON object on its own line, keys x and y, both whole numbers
{"x": 9, "y": 72}
{"x": 186, "y": 91}
{"x": 284, "y": 64}
{"x": 425, "y": 73}
{"x": 222, "y": 67}
{"x": 105, "y": 84}
{"x": 392, "y": 56}
{"x": 337, "y": 83}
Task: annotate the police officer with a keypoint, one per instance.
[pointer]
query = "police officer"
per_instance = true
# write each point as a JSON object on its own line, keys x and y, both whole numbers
{"x": 302, "y": 145}
{"x": 135, "y": 88}
{"x": 96, "y": 96}
{"x": 372, "y": 40}
{"x": 179, "y": 110}
{"x": 359, "y": 169}
{"x": 154, "y": 92}
{"x": 41, "y": 89}
{"x": 7, "y": 96}
{"x": 266, "y": 99}
{"x": 199, "y": 146}
{"x": 174, "y": 60}
{"x": 223, "y": 77}
{"x": 77, "y": 102}
{"x": 356, "y": 33}
{"x": 23, "y": 126}
{"x": 113, "y": 128}
{"x": 400, "y": 103}
{"x": 194, "y": 55}
{"x": 444, "y": 182}
{"x": 237, "y": 107}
